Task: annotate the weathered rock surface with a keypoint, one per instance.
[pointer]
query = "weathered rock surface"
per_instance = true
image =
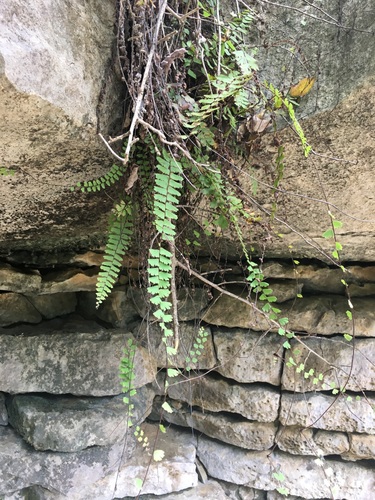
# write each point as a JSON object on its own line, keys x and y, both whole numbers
{"x": 15, "y": 308}
{"x": 362, "y": 447}
{"x": 248, "y": 357}
{"x": 316, "y": 278}
{"x": 303, "y": 476}
{"x": 62, "y": 474}
{"x": 174, "y": 473}
{"x": 61, "y": 363}
{"x": 188, "y": 333}
{"x": 72, "y": 280}
{"x": 99, "y": 472}
{"x": 302, "y": 441}
{"x": 252, "y": 401}
{"x": 72, "y": 424}
{"x": 118, "y": 310}
{"x": 314, "y": 315}
{"x": 51, "y": 306}
{"x": 210, "y": 490}
{"x": 239, "y": 432}
{"x": 3, "y": 410}
{"x": 327, "y": 412}
{"x": 53, "y": 65}
{"x": 191, "y": 301}
{"x": 302, "y": 216}
{"x": 14, "y": 280}
{"x": 344, "y": 364}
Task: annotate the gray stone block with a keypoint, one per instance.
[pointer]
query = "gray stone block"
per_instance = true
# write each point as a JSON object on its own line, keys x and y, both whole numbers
{"x": 248, "y": 357}
{"x": 71, "y": 424}
{"x": 252, "y": 401}
{"x": 85, "y": 364}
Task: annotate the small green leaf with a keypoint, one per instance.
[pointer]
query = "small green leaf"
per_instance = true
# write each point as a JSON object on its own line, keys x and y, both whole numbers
{"x": 300, "y": 368}
{"x": 162, "y": 428}
{"x": 138, "y": 483}
{"x": 172, "y": 372}
{"x": 283, "y": 491}
{"x": 167, "y": 407}
{"x": 338, "y": 246}
{"x": 279, "y": 476}
{"x": 335, "y": 255}
{"x": 299, "y": 296}
{"x": 349, "y": 315}
{"x": 328, "y": 234}
{"x": 286, "y": 345}
{"x": 337, "y": 224}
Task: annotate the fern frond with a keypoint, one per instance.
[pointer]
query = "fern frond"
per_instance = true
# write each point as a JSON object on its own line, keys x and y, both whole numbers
{"x": 119, "y": 239}
{"x": 168, "y": 184}
{"x": 167, "y": 190}
{"x": 106, "y": 180}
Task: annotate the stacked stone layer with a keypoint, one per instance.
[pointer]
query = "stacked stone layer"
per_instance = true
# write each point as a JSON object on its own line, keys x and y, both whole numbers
{"x": 61, "y": 408}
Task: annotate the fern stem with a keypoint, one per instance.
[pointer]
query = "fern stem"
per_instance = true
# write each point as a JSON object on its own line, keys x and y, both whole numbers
{"x": 172, "y": 248}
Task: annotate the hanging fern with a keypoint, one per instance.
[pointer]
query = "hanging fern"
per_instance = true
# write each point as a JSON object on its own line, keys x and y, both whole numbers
{"x": 119, "y": 239}
{"x": 106, "y": 180}
{"x": 168, "y": 185}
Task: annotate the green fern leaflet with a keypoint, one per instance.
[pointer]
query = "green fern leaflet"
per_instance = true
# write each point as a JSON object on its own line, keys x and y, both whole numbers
{"x": 119, "y": 239}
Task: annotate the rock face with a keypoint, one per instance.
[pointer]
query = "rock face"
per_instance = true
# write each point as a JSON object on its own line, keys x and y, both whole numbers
{"x": 327, "y": 412}
{"x": 59, "y": 87}
{"x": 71, "y": 425}
{"x": 68, "y": 363}
{"x": 254, "y": 402}
{"x": 343, "y": 363}
{"x": 305, "y": 478}
{"x": 66, "y": 473}
{"x": 266, "y": 417}
{"x": 249, "y": 420}
{"x": 55, "y": 85}
{"x": 247, "y": 356}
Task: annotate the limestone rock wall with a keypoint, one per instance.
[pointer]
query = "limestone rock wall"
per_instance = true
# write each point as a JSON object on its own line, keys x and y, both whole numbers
{"x": 246, "y": 422}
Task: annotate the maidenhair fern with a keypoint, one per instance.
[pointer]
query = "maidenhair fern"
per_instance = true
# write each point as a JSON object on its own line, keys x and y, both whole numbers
{"x": 119, "y": 239}
{"x": 127, "y": 376}
{"x": 106, "y": 180}
{"x": 168, "y": 185}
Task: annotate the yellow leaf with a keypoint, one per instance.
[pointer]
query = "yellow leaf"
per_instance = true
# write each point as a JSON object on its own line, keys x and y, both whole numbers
{"x": 302, "y": 88}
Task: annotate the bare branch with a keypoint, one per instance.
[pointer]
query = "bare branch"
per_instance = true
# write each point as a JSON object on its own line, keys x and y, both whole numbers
{"x": 111, "y": 150}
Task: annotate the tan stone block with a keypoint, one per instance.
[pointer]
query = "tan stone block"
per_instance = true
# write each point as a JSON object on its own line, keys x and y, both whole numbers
{"x": 328, "y": 412}
{"x": 15, "y": 308}
{"x": 342, "y": 363}
{"x": 231, "y": 430}
{"x": 253, "y": 401}
{"x": 247, "y": 356}
{"x": 14, "y": 280}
